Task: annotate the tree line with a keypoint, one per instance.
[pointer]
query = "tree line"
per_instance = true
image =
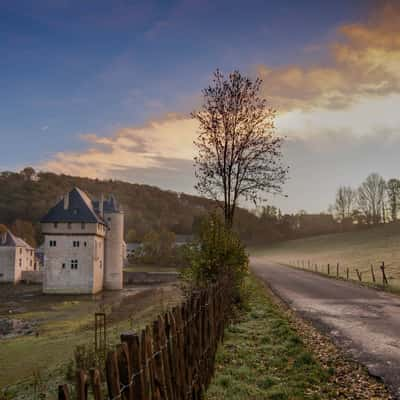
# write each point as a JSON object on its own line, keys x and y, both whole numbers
{"x": 375, "y": 201}
{"x": 26, "y": 196}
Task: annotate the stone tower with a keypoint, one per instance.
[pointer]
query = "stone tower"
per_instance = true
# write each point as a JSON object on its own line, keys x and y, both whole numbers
{"x": 114, "y": 245}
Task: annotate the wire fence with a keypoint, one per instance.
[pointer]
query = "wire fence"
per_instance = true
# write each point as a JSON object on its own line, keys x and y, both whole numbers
{"x": 173, "y": 358}
{"x": 377, "y": 275}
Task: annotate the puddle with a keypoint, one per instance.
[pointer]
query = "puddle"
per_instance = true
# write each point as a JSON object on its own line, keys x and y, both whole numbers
{"x": 15, "y": 327}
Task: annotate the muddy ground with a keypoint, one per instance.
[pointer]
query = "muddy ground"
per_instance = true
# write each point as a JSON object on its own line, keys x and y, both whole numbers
{"x": 43, "y": 330}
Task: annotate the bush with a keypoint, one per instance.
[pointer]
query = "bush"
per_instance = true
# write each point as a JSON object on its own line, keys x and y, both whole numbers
{"x": 218, "y": 253}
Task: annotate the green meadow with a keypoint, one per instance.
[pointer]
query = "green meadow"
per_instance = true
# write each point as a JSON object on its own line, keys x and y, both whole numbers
{"x": 353, "y": 250}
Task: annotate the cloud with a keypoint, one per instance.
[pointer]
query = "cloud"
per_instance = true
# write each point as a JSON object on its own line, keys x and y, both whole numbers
{"x": 158, "y": 145}
{"x": 365, "y": 61}
{"x": 340, "y": 118}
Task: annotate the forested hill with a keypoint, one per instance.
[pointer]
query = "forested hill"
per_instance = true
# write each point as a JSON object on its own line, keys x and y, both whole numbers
{"x": 25, "y": 197}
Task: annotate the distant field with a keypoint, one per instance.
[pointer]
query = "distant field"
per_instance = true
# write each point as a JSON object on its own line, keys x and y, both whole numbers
{"x": 352, "y": 249}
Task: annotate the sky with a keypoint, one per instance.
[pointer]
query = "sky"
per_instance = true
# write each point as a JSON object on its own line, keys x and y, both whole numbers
{"x": 105, "y": 89}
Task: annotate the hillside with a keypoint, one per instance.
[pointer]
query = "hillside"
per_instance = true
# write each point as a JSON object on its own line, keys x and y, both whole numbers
{"x": 357, "y": 249}
{"x": 26, "y": 197}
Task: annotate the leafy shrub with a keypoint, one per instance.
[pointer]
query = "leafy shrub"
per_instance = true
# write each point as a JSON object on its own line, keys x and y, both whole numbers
{"x": 218, "y": 253}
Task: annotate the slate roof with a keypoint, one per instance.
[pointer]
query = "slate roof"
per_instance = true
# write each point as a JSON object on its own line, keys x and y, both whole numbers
{"x": 13, "y": 241}
{"x": 109, "y": 205}
{"x": 80, "y": 209}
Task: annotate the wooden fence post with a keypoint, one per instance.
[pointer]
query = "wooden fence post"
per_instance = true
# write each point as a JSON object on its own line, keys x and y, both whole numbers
{"x": 146, "y": 366}
{"x": 384, "y": 278}
{"x": 63, "y": 392}
{"x": 133, "y": 341}
{"x": 159, "y": 373}
{"x": 181, "y": 371}
{"x": 166, "y": 343}
{"x": 82, "y": 385}
{"x": 373, "y": 273}
{"x": 95, "y": 378}
{"x": 125, "y": 371}
{"x": 359, "y": 274}
{"x": 112, "y": 373}
{"x": 149, "y": 359}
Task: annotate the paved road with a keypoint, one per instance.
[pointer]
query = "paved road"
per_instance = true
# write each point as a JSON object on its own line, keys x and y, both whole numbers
{"x": 364, "y": 322}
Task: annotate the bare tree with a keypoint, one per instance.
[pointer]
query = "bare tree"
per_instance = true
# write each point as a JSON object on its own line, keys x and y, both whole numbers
{"x": 393, "y": 192}
{"x": 371, "y": 196}
{"x": 345, "y": 201}
{"x": 239, "y": 154}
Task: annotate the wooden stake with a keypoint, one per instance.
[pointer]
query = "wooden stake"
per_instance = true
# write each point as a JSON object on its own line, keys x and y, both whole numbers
{"x": 63, "y": 392}
{"x": 359, "y": 274}
{"x": 95, "y": 378}
{"x": 112, "y": 373}
{"x": 125, "y": 370}
{"x": 384, "y": 279}
{"x": 373, "y": 273}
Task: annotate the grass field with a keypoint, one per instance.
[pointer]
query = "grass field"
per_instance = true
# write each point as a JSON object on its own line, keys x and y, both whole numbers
{"x": 353, "y": 250}
{"x": 62, "y": 323}
{"x": 262, "y": 357}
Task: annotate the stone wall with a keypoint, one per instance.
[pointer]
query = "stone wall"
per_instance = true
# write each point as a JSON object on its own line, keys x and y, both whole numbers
{"x": 140, "y": 278}
{"x": 32, "y": 276}
{"x": 7, "y": 264}
{"x": 60, "y": 277}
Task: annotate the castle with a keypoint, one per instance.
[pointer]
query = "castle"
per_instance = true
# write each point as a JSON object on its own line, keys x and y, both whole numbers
{"x": 83, "y": 245}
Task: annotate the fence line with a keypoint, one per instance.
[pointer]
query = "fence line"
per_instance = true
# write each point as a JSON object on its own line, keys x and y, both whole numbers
{"x": 326, "y": 269}
{"x": 173, "y": 359}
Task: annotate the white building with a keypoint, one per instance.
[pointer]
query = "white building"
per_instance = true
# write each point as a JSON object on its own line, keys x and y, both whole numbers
{"x": 16, "y": 256}
{"x": 84, "y": 246}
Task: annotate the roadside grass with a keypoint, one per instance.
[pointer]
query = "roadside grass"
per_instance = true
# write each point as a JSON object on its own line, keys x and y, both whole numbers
{"x": 355, "y": 250}
{"x": 263, "y": 358}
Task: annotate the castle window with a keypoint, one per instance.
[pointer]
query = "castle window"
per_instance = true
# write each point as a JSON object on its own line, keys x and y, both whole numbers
{"x": 52, "y": 243}
{"x": 69, "y": 225}
{"x": 83, "y": 225}
{"x": 55, "y": 225}
{"x": 20, "y": 262}
{"x": 63, "y": 265}
{"x": 76, "y": 243}
{"x": 85, "y": 244}
{"x": 74, "y": 264}
{"x": 101, "y": 264}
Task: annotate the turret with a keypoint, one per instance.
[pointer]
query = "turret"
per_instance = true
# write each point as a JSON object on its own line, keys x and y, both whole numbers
{"x": 114, "y": 257}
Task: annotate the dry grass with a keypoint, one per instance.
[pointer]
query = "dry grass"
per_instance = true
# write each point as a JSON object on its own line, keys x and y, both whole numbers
{"x": 353, "y": 250}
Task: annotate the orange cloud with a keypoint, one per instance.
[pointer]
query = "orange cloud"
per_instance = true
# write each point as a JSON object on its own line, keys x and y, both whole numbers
{"x": 148, "y": 146}
{"x": 356, "y": 95}
{"x": 366, "y": 62}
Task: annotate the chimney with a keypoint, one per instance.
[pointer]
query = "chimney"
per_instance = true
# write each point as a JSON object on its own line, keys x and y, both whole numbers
{"x": 101, "y": 205}
{"x": 66, "y": 201}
